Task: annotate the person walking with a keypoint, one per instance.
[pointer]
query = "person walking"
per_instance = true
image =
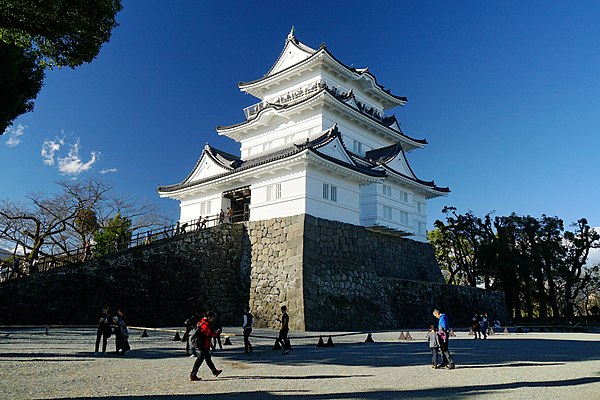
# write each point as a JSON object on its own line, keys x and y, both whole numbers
{"x": 247, "y": 329}
{"x": 191, "y": 324}
{"x": 475, "y": 328}
{"x": 121, "y": 333}
{"x": 434, "y": 345}
{"x": 104, "y": 330}
{"x": 444, "y": 327}
{"x": 202, "y": 341}
{"x": 484, "y": 323}
{"x": 283, "y": 338}
{"x": 218, "y": 329}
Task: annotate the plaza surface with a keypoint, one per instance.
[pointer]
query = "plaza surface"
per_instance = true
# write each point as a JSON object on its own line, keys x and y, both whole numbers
{"x": 62, "y": 365}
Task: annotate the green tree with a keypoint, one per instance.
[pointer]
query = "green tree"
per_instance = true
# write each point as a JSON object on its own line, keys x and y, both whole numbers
{"x": 21, "y": 79}
{"x": 50, "y": 33}
{"x": 116, "y": 236}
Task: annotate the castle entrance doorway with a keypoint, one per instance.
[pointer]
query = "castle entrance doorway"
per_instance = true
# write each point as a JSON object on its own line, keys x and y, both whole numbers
{"x": 240, "y": 203}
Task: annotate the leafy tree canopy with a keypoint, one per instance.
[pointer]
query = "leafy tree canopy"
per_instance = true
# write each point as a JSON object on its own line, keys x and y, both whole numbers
{"x": 20, "y": 80}
{"x": 59, "y": 32}
{"x": 115, "y": 236}
{"x": 42, "y": 34}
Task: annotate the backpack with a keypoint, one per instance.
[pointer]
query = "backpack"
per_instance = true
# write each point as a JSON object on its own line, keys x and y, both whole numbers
{"x": 198, "y": 339}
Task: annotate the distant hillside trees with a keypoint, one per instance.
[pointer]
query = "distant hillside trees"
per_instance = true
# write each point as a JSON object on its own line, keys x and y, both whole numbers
{"x": 62, "y": 223}
{"x": 539, "y": 266}
{"x": 43, "y": 34}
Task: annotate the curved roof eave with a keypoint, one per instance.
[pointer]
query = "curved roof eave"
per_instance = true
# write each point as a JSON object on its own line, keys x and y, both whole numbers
{"x": 313, "y": 146}
{"x": 428, "y": 184}
{"x": 208, "y": 152}
{"x": 418, "y": 143}
{"x": 270, "y": 107}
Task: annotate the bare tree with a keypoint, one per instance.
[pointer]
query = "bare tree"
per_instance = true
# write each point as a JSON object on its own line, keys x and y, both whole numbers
{"x": 59, "y": 223}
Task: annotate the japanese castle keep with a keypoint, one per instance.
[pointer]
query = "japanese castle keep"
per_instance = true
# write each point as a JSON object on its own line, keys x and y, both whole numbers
{"x": 334, "y": 216}
{"x": 328, "y": 219}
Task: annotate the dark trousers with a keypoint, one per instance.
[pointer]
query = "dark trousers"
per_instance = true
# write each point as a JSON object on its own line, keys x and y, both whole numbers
{"x": 217, "y": 339}
{"x": 121, "y": 343}
{"x": 247, "y": 344}
{"x": 283, "y": 339}
{"x": 446, "y": 357}
{"x": 434, "y": 356}
{"x": 203, "y": 354}
{"x": 103, "y": 334}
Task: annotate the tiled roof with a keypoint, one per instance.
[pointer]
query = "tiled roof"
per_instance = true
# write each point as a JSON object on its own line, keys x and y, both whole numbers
{"x": 340, "y": 97}
{"x": 323, "y": 49}
{"x": 312, "y": 145}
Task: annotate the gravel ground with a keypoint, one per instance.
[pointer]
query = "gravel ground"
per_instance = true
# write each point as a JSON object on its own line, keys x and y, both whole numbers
{"x": 516, "y": 366}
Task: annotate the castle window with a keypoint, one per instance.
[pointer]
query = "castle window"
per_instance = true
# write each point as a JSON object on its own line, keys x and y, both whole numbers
{"x": 420, "y": 207}
{"x": 404, "y": 217}
{"x": 403, "y": 196}
{"x": 205, "y": 208}
{"x": 274, "y": 192}
{"x": 387, "y": 191}
{"x": 330, "y": 192}
{"x": 421, "y": 228}
{"x": 387, "y": 212}
{"x": 357, "y": 147}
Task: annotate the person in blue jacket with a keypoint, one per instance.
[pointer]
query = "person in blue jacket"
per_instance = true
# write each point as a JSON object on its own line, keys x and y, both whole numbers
{"x": 444, "y": 326}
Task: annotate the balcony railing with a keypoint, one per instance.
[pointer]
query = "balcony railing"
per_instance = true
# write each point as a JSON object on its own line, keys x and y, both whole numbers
{"x": 298, "y": 94}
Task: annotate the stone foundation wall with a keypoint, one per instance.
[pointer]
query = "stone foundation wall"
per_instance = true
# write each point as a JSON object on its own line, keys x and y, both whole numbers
{"x": 275, "y": 270}
{"x": 159, "y": 284}
{"x": 330, "y": 275}
{"x": 356, "y": 279}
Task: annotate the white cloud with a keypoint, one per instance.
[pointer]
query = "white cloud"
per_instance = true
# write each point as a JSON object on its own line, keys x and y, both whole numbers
{"x": 107, "y": 170}
{"x": 14, "y": 135}
{"x": 49, "y": 148}
{"x": 72, "y": 163}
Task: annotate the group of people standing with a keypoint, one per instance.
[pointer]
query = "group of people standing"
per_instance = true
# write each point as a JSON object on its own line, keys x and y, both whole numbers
{"x": 109, "y": 324}
{"x": 480, "y": 324}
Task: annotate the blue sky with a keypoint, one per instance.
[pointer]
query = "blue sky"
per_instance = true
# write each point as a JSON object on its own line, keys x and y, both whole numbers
{"x": 506, "y": 93}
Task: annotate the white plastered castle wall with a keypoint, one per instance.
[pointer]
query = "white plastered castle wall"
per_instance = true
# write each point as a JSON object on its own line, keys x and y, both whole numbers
{"x": 291, "y": 200}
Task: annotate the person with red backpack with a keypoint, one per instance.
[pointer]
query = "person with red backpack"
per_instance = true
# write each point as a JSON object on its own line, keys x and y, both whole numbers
{"x": 202, "y": 340}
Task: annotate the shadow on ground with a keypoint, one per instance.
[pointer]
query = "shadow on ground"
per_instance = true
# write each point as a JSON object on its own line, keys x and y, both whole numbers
{"x": 466, "y": 353}
{"x": 446, "y": 392}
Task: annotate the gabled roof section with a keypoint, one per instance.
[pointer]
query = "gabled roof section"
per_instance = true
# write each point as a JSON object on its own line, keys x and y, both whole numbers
{"x": 392, "y": 122}
{"x": 323, "y": 146}
{"x": 212, "y": 162}
{"x": 344, "y": 99}
{"x": 332, "y": 145}
{"x": 393, "y": 161}
{"x": 293, "y": 52}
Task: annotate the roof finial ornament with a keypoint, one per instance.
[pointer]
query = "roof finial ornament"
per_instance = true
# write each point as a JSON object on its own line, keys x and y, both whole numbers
{"x": 334, "y": 129}
{"x": 323, "y": 46}
{"x": 291, "y": 35}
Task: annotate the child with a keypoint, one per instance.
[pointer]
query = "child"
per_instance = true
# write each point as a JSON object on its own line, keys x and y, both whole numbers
{"x": 434, "y": 345}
